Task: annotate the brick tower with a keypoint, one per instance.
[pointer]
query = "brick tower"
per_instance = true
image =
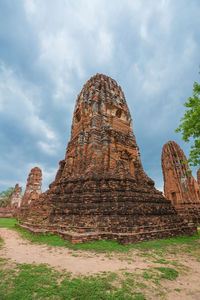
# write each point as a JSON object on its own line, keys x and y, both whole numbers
{"x": 198, "y": 177}
{"x": 179, "y": 184}
{"x": 101, "y": 189}
{"x": 32, "y": 191}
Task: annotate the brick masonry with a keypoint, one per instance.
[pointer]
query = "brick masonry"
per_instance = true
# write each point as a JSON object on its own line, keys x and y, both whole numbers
{"x": 198, "y": 177}
{"x": 179, "y": 184}
{"x": 100, "y": 189}
{"x": 32, "y": 191}
{"x": 14, "y": 203}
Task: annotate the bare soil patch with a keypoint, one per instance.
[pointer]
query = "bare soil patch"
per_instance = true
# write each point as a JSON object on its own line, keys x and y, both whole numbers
{"x": 78, "y": 262}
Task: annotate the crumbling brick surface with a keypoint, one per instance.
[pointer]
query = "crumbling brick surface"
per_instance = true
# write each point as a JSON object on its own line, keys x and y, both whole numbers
{"x": 198, "y": 177}
{"x": 179, "y": 184}
{"x": 14, "y": 203}
{"x": 6, "y": 212}
{"x": 101, "y": 189}
{"x": 16, "y": 197}
{"x": 32, "y": 191}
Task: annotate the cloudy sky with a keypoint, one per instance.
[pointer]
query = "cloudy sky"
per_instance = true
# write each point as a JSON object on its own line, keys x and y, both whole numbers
{"x": 49, "y": 49}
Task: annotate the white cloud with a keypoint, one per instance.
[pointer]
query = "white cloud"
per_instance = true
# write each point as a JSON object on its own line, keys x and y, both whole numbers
{"x": 70, "y": 35}
{"x": 105, "y": 45}
{"x": 30, "y": 7}
{"x": 47, "y": 147}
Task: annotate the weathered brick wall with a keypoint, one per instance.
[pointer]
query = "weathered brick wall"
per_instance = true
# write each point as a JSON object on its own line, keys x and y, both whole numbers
{"x": 101, "y": 189}
{"x": 198, "y": 177}
{"x": 6, "y": 212}
{"x": 14, "y": 203}
{"x": 32, "y": 191}
{"x": 16, "y": 197}
{"x": 179, "y": 184}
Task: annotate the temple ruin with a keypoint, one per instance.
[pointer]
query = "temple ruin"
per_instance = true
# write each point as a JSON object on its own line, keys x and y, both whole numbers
{"x": 32, "y": 191}
{"x": 179, "y": 184}
{"x": 14, "y": 203}
{"x": 16, "y": 197}
{"x": 198, "y": 177}
{"x": 101, "y": 190}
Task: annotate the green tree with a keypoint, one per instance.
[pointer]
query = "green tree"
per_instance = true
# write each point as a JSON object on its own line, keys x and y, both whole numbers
{"x": 190, "y": 126}
{"x": 4, "y": 201}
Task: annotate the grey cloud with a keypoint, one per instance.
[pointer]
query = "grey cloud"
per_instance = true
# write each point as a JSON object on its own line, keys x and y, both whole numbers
{"x": 52, "y": 48}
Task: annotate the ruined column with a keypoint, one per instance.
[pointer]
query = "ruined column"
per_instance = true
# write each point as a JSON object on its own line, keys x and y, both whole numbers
{"x": 32, "y": 191}
{"x": 198, "y": 177}
{"x": 16, "y": 197}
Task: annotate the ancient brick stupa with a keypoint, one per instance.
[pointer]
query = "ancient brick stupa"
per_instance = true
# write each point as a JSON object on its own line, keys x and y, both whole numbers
{"x": 32, "y": 191}
{"x": 14, "y": 203}
{"x": 198, "y": 177}
{"x": 179, "y": 184}
{"x": 101, "y": 189}
{"x": 16, "y": 197}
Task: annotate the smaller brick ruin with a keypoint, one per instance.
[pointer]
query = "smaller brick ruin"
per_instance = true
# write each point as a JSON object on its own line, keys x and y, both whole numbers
{"x": 179, "y": 184}
{"x": 32, "y": 192}
{"x": 5, "y": 212}
{"x": 14, "y": 203}
{"x": 16, "y": 197}
{"x": 198, "y": 177}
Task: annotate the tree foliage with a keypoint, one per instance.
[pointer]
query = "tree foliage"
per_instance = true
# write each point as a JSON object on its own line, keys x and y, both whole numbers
{"x": 190, "y": 126}
{"x": 4, "y": 196}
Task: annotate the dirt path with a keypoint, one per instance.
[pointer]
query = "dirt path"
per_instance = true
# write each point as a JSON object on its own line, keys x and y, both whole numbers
{"x": 186, "y": 287}
{"x": 82, "y": 262}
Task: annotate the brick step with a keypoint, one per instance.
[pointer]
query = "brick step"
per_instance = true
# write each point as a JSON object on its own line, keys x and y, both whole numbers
{"x": 122, "y": 229}
{"x": 124, "y": 238}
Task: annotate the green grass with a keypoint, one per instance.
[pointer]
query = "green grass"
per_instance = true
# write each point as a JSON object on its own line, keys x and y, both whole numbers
{"x": 161, "y": 261}
{"x": 30, "y": 281}
{"x": 113, "y": 246}
{"x": 24, "y": 281}
{"x": 107, "y": 246}
{"x": 1, "y": 242}
{"x": 53, "y": 240}
{"x": 163, "y": 243}
{"x": 27, "y": 281}
{"x": 167, "y": 273}
{"x": 8, "y": 223}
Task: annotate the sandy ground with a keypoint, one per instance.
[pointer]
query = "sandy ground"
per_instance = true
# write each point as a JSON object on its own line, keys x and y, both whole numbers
{"x": 83, "y": 262}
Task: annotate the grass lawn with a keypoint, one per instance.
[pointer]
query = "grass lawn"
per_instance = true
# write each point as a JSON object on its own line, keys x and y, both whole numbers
{"x": 8, "y": 223}
{"x": 101, "y": 246}
{"x": 31, "y": 281}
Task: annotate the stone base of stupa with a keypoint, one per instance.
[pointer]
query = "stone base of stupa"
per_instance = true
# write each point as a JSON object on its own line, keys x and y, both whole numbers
{"x": 113, "y": 209}
{"x": 82, "y": 235}
{"x": 190, "y": 211}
